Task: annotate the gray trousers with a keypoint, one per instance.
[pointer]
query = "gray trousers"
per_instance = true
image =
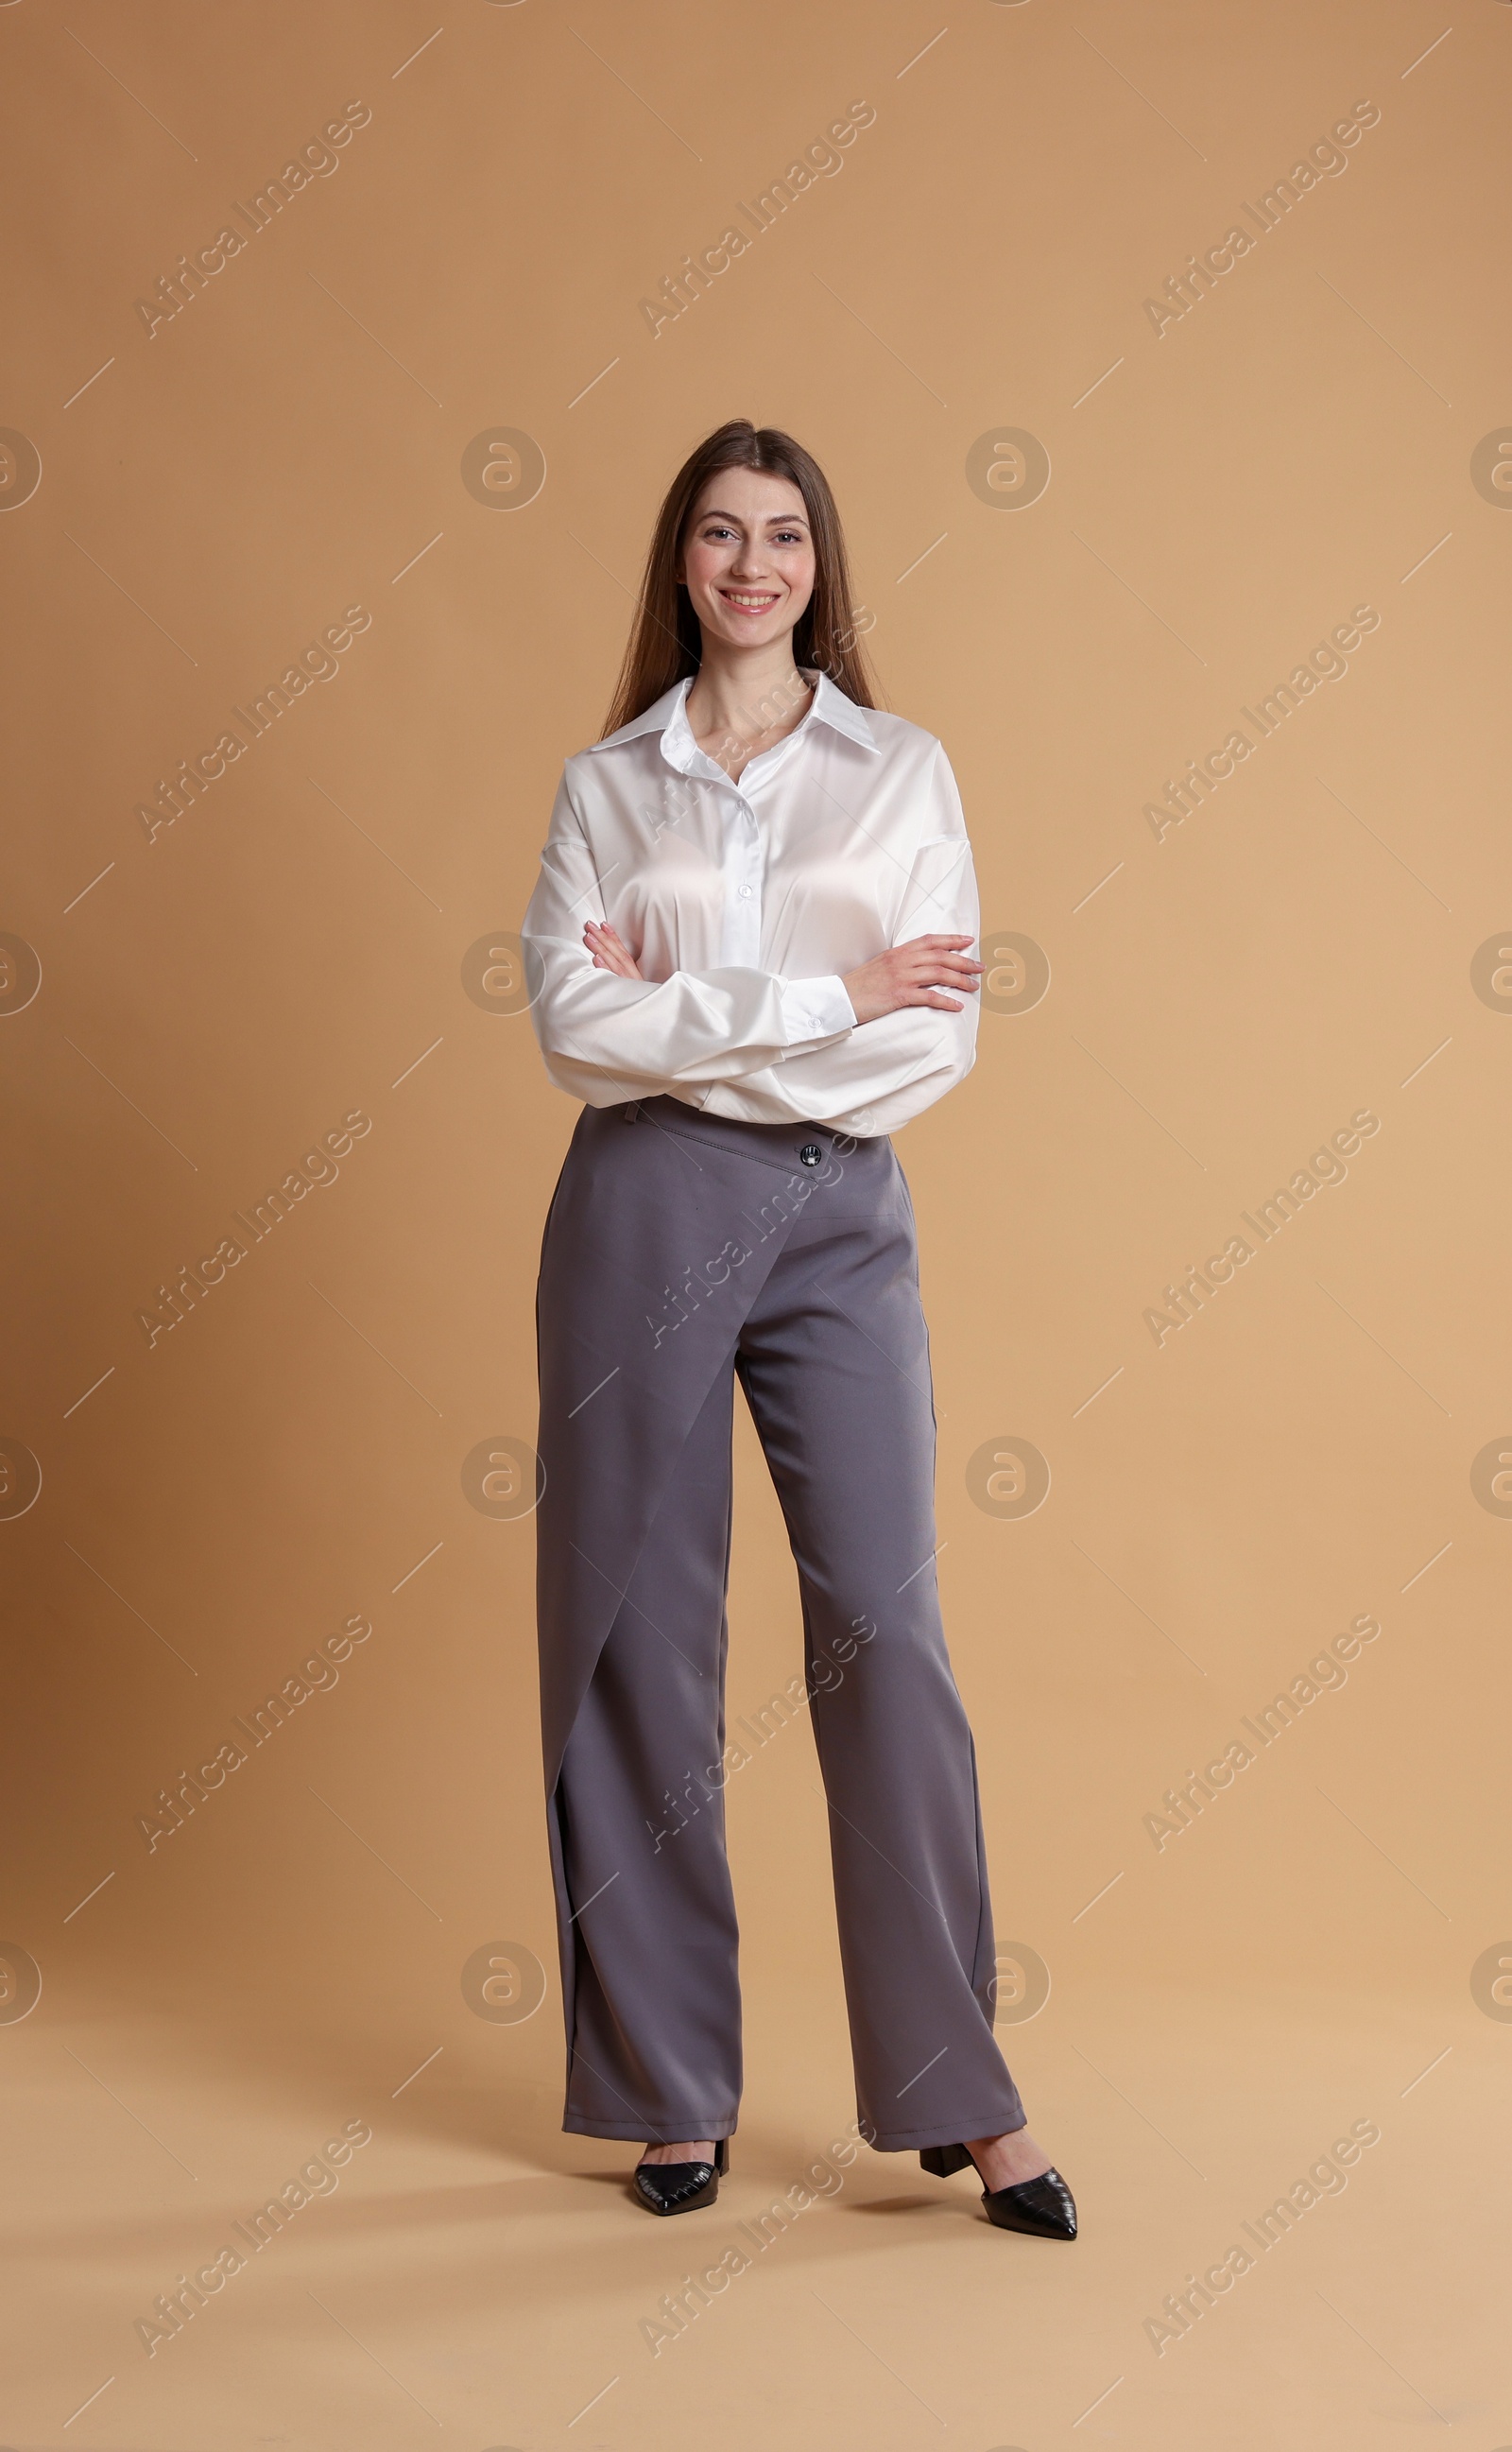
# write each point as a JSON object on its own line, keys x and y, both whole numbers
{"x": 681, "y": 1252}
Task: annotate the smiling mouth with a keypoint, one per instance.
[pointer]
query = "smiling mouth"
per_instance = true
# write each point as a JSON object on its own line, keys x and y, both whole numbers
{"x": 746, "y": 601}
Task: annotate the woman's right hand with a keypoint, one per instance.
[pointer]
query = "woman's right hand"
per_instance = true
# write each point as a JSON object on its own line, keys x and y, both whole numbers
{"x": 609, "y": 951}
{"x": 912, "y": 973}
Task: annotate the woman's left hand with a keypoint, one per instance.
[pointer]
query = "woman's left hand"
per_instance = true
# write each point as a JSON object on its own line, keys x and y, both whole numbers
{"x": 608, "y": 951}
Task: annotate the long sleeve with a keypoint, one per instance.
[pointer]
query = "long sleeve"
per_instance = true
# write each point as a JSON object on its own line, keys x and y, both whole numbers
{"x": 604, "y": 1039}
{"x": 888, "y": 1071}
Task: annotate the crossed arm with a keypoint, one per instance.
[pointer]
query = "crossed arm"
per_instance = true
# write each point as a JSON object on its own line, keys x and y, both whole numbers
{"x": 917, "y": 973}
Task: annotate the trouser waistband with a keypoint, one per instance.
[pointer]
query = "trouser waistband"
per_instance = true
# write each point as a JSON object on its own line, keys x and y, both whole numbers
{"x": 790, "y": 1146}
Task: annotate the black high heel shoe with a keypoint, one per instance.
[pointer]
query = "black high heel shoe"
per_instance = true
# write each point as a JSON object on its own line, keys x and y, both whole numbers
{"x": 680, "y": 2187}
{"x": 1043, "y": 2206}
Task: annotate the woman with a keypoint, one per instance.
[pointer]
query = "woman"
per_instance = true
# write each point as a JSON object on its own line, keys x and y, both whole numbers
{"x": 749, "y": 953}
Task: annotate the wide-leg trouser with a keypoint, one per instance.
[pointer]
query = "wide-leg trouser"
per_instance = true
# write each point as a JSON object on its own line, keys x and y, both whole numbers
{"x": 682, "y": 1251}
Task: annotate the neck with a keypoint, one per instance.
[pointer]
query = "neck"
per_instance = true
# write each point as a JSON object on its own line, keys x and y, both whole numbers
{"x": 745, "y": 692}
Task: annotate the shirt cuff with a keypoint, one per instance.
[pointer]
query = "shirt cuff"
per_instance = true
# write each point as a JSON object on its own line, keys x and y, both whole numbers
{"x": 815, "y": 1009}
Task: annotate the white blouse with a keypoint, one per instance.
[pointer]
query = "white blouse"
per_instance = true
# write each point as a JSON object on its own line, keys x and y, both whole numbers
{"x": 744, "y": 903}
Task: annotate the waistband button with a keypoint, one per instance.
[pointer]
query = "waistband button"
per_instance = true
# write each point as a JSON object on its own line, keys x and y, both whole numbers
{"x": 810, "y": 1154}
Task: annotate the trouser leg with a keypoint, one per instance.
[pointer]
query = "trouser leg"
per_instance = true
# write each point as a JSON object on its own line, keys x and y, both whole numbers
{"x": 835, "y": 1361}
{"x": 649, "y": 1916}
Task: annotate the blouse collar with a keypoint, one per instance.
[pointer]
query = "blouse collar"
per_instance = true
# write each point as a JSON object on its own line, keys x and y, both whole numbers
{"x": 668, "y": 718}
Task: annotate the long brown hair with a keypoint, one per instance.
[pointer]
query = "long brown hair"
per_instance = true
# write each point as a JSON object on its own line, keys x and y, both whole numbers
{"x": 665, "y": 643}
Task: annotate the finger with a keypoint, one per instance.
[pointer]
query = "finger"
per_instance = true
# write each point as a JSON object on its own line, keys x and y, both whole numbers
{"x": 937, "y": 1003}
{"x": 939, "y": 974}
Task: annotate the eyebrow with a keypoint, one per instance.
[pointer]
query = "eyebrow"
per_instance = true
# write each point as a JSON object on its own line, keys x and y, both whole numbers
{"x": 784, "y": 520}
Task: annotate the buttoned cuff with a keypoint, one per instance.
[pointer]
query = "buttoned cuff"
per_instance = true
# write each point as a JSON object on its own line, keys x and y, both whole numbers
{"x": 815, "y": 1009}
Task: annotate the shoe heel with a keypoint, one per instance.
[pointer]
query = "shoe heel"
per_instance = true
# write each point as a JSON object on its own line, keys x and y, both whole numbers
{"x": 940, "y": 2161}
{"x": 721, "y": 2155}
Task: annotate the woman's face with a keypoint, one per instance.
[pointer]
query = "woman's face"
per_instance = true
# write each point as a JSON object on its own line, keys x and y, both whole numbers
{"x": 747, "y": 559}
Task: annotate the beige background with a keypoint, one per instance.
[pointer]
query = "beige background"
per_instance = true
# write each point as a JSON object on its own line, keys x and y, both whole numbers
{"x": 214, "y": 1001}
